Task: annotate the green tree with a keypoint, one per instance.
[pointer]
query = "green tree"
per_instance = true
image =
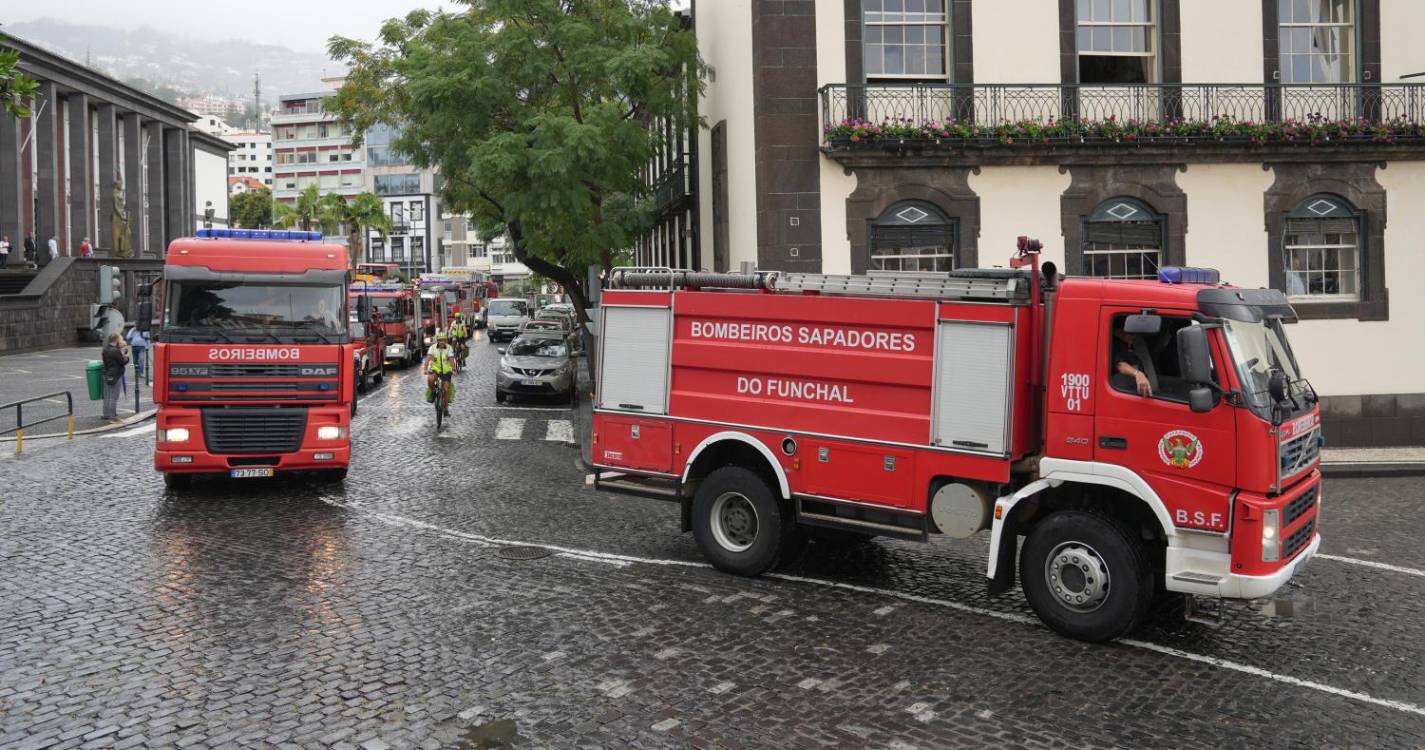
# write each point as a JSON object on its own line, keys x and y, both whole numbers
{"x": 355, "y": 216}
{"x": 306, "y": 213}
{"x": 252, "y": 209}
{"x": 536, "y": 112}
{"x": 17, "y": 90}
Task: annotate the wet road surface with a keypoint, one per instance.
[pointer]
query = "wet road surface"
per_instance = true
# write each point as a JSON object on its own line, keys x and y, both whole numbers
{"x": 406, "y": 608}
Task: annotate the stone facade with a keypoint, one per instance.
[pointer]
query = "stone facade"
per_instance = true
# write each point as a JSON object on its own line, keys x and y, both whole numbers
{"x": 53, "y": 310}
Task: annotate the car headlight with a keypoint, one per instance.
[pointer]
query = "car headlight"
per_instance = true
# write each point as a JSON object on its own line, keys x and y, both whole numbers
{"x": 1271, "y": 535}
{"x": 331, "y": 432}
{"x": 173, "y": 435}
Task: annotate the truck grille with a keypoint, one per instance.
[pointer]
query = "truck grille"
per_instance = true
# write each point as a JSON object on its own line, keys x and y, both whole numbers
{"x": 1300, "y": 452}
{"x": 1297, "y": 507}
{"x": 1298, "y": 540}
{"x": 254, "y": 371}
{"x": 254, "y": 430}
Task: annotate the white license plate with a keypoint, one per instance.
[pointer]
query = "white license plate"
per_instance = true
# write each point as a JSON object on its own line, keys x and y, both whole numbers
{"x": 535, "y": 383}
{"x": 250, "y": 473}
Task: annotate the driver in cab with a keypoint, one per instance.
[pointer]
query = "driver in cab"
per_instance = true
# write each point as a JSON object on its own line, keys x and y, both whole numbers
{"x": 440, "y": 363}
{"x": 1129, "y": 354}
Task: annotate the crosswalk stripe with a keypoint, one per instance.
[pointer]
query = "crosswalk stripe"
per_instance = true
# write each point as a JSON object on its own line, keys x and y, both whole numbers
{"x": 509, "y": 428}
{"x": 559, "y": 431}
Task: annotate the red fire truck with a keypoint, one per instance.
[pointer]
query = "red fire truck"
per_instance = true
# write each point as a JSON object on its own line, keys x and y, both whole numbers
{"x": 253, "y": 361}
{"x": 1139, "y": 435}
{"x": 400, "y": 320}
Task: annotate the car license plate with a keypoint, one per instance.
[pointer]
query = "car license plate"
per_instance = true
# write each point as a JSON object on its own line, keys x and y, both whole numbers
{"x": 534, "y": 383}
{"x": 250, "y": 473}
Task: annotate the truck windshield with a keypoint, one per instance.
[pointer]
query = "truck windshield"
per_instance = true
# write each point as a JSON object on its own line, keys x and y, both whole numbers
{"x": 256, "y": 307}
{"x": 389, "y": 307}
{"x": 1258, "y": 349}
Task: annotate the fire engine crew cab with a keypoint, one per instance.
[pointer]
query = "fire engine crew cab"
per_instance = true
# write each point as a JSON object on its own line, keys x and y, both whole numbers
{"x": 911, "y": 404}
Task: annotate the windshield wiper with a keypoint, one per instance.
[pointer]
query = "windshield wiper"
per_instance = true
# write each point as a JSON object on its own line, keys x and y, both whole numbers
{"x": 318, "y": 334}
{"x": 195, "y": 332}
{"x": 267, "y": 334}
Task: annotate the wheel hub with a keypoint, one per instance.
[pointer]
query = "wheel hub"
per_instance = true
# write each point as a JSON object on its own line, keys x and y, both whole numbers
{"x": 734, "y": 521}
{"x": 1077, "y": 577}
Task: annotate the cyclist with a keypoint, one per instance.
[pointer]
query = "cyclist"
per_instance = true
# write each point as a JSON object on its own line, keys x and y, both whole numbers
{"x": 458, "y": 334}
{"x": 440, "y": 363}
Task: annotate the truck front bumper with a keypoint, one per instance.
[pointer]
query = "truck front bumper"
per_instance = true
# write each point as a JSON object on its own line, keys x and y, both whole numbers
{"x": 1255, "y": 587}
{"x": 201, "y": 462}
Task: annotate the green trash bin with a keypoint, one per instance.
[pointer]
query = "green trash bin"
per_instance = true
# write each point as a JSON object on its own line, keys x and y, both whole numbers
{"x": 94, "y": 373}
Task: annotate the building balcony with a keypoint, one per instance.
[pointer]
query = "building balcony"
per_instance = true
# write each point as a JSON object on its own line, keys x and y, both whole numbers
{"x": 1209, "y": 121}
{"x": 672, "y": 188}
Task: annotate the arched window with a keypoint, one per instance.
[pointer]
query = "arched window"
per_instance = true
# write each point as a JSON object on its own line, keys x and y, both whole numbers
{"x": 913, "y": 236}
{"x": 1321, "y": 249}
{"x": 1123, "y": 239}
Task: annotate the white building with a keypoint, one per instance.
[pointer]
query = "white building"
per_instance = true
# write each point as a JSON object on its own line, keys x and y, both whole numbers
{"x": 411, "y": 197}
{"x": 309, "y": 147}
{"x": 496, "y": 258}
{"x": 252, "y": 156}
{"x": 787, "y": 181}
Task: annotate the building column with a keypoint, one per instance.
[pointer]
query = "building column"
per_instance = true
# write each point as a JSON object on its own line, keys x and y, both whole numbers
{"x": 46, "y": 145}
{"x": 157, "y": 189}
{"x": 10, "y": 186}
{"x": 174, "y": 186}
{"x": 108, "y": 175}
{"x": 81, "y": 209}
{"x": 133, "y": 181}
{"x": 186, "y": 222}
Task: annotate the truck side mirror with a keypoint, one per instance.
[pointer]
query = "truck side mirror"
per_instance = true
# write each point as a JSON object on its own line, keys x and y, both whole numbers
{"x": 1194, "y": 360}
{"x": 145, "y": 316}
{"x": 1146, "y": 324}
{"x": 1276, "y": 386}
{"x": 1201, "y": 400}
{"x": 363, "y": 308}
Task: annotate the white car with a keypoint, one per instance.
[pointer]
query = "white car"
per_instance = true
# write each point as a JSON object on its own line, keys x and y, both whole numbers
{"x": 504, "y": 316}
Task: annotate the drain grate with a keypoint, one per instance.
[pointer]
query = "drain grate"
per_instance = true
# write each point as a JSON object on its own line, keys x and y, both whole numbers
{"x": 524, "y": 553}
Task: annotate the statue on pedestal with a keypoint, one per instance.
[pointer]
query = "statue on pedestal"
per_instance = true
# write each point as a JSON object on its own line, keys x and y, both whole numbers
{"x": 120, "y": 220}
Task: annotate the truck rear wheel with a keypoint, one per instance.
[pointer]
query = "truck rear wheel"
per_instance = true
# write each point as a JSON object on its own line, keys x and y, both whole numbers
{"x": 738, "y": 522}
{"x": 1086, "y": 576}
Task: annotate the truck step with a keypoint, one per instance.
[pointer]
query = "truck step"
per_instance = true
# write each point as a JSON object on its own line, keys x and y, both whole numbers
{"x": 612, "y": 481}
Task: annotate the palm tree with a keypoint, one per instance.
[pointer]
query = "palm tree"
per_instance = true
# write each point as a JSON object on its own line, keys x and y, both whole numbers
{"x": 306, "y": 213}
{"x": 354, "y": 216}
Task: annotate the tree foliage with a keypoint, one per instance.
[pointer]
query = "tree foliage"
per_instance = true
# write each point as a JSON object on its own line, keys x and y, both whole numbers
{"x": 307, "y": 213}
{"x": 251, "y": 209}
{"x": 537, "y": 112}
{"x": 333, "y": 213}
{"x": 17, "y": 90}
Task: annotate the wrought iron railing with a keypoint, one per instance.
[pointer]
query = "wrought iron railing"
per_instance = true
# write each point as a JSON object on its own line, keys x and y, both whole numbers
{"x": 992, "y": 104}
{"x": 673, "y": 185}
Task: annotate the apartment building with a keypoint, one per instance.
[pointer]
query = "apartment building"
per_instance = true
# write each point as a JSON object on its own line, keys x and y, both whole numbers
{"x": 1279, "y": 141}
{"x": 251, "y": 155}
{"x": 310, "y": 147}
{"x": 411, "y": 198}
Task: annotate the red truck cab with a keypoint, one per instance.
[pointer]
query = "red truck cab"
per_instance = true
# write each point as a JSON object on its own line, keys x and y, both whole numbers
{"x": 1136, "y": 434}
{"x": 253, "y": 358}
{"x": 396, "y": 303}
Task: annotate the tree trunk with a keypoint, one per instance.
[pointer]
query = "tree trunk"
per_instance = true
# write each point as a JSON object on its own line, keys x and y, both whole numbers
{"x": 571, "y": 283}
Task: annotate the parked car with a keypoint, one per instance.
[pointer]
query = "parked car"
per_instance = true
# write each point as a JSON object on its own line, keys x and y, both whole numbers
{"x": 537, "y": 363}
{"x": 505, "y": 316}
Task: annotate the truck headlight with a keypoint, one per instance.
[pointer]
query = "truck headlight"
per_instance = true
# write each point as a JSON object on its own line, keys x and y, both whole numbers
{"x": 331, "y": 432}
{"x": 1271, "y": 535}
{"x": 173, "y": 435}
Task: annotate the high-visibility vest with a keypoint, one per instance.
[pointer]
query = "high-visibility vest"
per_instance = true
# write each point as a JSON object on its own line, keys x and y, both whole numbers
{"x": 442, "y": 360}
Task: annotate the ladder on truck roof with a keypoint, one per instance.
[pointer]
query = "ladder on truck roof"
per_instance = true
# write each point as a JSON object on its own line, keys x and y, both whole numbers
{"x": 972, "y": 284}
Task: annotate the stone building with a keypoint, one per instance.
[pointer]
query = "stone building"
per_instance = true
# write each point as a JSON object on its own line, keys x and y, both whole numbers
{"x": 1278, "y": 141}
{"x": 100, "y": 160}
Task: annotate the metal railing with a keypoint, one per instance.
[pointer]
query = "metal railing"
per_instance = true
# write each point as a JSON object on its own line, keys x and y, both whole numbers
{"x": 992, "y": 104}
{"x": 20, "y": 425}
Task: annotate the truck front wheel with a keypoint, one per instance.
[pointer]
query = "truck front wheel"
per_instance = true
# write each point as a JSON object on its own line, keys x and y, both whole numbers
{"x": 738, "y": 523}
{"x": 1086, "y": 576}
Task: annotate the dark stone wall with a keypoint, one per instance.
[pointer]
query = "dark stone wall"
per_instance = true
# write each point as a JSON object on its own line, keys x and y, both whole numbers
{"x": 1373, "y": 420}
{"x": 1153, "y": 184}
{"x": 55, "y": 311}
{"x": 947, "y": 188}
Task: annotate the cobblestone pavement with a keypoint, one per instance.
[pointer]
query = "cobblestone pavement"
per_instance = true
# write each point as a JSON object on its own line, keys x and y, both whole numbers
{"x": 392, "y": 612}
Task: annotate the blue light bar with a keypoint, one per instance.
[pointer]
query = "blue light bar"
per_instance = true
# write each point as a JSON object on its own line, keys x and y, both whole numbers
{"x": 286, "y": 235}
{"x": 1187, "y": 275}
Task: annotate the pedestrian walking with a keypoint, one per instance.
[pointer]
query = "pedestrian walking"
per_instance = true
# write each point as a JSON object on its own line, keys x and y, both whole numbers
{"x": 29, "y": 248}
{"x": 85, "y": 249}
{"x": 53, "y": 247}
{"x": 4, "y": 250}
{"x": 138, "y": 344}
{"x": 114, "y": 362}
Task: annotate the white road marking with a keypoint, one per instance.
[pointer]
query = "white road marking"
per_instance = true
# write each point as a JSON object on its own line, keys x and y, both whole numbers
{"x": 559, "y": 431}
{"x": 130, "y": 433}
{"x": 509, "y": 428}
{"x": 1373, "y": 564}
{"x": 597, "y": 556}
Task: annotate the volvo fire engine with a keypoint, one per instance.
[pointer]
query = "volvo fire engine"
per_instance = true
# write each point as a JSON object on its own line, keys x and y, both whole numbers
{"x": 1136, "y": 434}
{"x": 253, "y": 360}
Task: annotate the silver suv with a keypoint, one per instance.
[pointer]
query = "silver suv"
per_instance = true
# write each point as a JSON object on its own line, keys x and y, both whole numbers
{"x": 537, "y": 363}
{"x": 504, "y": 318}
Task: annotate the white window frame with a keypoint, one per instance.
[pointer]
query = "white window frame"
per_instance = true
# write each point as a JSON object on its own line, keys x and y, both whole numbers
{"x": 1349, "y": 38}
{"x": 1125, "y": 252}
{"x": 1149, "y": 25}
{"x": 873, "y": 19}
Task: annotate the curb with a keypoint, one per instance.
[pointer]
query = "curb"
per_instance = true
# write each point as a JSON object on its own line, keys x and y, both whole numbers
{"x": 130, "y": 422}
{"x": 1363, "y": 469}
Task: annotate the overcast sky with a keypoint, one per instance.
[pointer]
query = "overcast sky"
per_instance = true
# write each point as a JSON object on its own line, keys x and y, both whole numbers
{"x": 302, "y": 25}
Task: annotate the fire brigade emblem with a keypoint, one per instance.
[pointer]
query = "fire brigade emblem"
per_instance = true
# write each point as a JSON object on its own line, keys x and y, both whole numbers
{"x": 1180, "y": 449}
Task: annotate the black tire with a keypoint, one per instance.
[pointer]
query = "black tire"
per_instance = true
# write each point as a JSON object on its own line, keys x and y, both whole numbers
{"x": 439, "y": 404}
{"x": 1113, "y": 568}
{"x": 500, "y": 396}
{"x": 380, "y": 376}
{"x": 177, "y": 482}
{"x": 749, "y": 514}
